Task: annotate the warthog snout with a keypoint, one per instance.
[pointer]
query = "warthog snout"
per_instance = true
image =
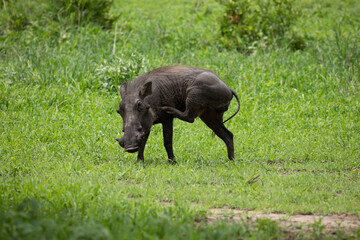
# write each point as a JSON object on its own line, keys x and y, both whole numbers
{"x": 130, "y": 148}
{"x": 120, "y": 141}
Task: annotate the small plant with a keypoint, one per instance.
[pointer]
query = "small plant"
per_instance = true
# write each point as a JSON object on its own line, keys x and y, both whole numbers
{"x": 318, "y": 228}
{"x": 267, "y": 229}
{"x": 110, "y": 75}
{"x": 247, "y": 24}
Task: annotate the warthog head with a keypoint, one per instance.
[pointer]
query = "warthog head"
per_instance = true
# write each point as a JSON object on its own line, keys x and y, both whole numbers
{"x": 136, "y": 116}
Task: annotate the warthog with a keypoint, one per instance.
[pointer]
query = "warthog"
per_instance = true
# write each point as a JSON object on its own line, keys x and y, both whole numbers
{"x": 168, "y": 92}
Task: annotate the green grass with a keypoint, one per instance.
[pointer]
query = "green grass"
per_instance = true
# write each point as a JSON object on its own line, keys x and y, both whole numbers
{"x": 63, "y": 175}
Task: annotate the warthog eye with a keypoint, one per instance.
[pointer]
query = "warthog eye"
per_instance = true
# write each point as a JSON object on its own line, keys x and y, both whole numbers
{"x": 140, "y": 106}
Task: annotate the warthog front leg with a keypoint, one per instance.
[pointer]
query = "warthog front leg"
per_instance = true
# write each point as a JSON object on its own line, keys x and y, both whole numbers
{"x": 140, "y": 156}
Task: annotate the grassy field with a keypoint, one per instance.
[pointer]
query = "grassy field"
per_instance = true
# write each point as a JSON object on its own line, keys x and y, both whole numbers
{"x": 63, "y": 175}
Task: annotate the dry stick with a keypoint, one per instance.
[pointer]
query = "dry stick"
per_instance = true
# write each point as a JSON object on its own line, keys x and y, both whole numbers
{"x": 125, "y": 41}
{"x": 7, "y": 24}
{"x": 254, "y": 179}
{"x": 79, "y": 14}
{"x": 114, "y": 45}
{"x": 162, "y": 58}
{"x": 56, "y": 107}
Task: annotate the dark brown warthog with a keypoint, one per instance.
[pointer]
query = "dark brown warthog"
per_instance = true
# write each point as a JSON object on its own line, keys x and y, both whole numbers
{"x": 167, "y": 92}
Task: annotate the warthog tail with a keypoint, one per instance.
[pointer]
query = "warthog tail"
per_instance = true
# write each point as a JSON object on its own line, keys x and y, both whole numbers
{"x": 238, "y": 101}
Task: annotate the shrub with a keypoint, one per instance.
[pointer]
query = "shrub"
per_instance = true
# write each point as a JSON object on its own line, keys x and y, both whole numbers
{"x": 17, "y": 15}
{"x": 248, "y": 24}
{"x": 84, "y": 11}
{"x": 110, "y": 75}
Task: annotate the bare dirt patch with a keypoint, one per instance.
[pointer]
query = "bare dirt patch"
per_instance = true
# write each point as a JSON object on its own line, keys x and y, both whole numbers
{"x": 330, "y": 223}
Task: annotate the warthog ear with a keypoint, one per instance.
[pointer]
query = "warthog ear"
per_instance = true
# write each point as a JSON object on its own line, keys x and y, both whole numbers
{"x": 122, "y": 90}
{"x": 146, "y": 90}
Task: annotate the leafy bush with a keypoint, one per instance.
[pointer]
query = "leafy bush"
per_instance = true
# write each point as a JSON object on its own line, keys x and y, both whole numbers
{"x": 110, "y": 75}
{"x": 251, "y": 24}
{"x": 83, "y": 11}
{"x": 17, "y": 15}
